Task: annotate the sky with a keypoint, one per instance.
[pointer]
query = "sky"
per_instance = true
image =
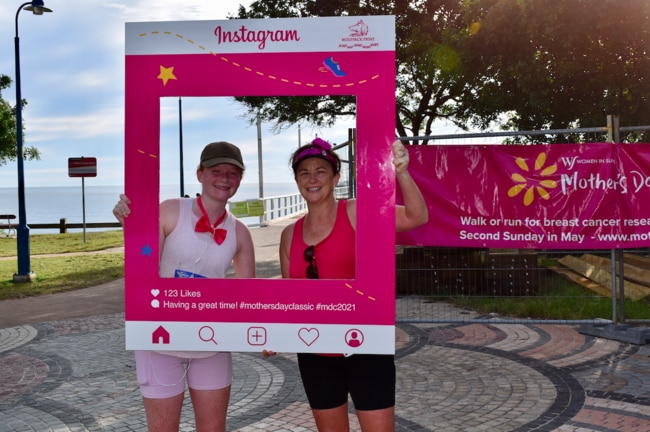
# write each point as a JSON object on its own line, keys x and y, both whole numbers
{"x": 72, "y": 76}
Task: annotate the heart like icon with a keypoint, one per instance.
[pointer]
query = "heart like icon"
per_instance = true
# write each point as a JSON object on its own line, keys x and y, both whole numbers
{"x": 155, "y": 292}
{"x": 308, "y": 336}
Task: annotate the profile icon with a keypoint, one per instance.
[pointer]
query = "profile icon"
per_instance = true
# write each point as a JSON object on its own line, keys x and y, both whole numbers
{"x": 354, "y": 338}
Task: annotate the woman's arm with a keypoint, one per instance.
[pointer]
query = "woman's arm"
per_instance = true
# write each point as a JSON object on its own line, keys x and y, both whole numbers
{"x": 244, "y": 259}
{"x": 121, "y": 210}
{"x": 285, "y": 247}
{"x": 414, "y": 212}
{"x": 169, "y": 213}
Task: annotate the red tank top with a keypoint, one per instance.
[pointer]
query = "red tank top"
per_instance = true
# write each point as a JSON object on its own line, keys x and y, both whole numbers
{"x": 335, "y": 255}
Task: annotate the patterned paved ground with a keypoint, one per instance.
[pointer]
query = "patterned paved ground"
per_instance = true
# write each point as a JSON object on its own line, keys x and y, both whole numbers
{"x": 74, "y": 375}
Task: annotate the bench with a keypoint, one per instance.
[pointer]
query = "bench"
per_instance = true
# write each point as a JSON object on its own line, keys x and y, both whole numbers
{"x": 10, "y": 227}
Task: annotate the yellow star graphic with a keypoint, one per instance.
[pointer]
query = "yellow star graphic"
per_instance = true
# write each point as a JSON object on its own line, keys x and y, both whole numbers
{"x": 166, "y": 74}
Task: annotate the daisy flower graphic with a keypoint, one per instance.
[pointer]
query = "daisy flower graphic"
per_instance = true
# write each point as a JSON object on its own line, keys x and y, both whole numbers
{"x": 532, "y": 184}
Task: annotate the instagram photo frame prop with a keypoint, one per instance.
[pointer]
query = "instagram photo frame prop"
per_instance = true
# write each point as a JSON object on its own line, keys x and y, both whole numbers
{"x": 266, "y": 57}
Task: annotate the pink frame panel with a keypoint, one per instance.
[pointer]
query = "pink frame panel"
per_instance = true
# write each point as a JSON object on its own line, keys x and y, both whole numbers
{"x": 171, "y": 59}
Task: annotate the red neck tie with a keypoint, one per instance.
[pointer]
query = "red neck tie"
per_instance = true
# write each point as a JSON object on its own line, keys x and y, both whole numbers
{"x": 203, "y": 224}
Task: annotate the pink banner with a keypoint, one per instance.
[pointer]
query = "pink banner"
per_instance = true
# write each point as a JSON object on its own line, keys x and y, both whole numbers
{"x": 554, "y": 196}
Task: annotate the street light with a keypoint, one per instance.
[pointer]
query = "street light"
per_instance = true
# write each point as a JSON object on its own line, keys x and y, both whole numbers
{"x": 37, "y": 7}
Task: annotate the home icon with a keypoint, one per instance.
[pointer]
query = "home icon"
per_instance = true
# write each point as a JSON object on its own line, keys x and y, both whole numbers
{"x": 160, "y": 335}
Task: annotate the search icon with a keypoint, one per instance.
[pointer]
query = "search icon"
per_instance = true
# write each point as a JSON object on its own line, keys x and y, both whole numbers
{"x": 206, "y": 334}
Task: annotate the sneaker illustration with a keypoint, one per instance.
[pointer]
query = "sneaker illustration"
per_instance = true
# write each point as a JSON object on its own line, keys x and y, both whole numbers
{"x": 333, "y": 67}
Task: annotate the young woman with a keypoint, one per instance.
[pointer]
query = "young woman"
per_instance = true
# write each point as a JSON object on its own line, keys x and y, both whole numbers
{"x": 198, "y": 238}
{"x": 326, "y": 236}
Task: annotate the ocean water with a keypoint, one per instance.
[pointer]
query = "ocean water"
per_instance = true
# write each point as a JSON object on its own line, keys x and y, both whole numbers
{"x": 50, "y": 204}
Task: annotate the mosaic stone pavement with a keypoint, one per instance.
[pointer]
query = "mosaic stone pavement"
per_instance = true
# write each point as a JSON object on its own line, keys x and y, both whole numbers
{"x": 74, "y": 375}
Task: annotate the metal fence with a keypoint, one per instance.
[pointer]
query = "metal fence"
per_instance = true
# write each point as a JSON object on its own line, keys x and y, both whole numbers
{"x": 290, "y": 205}
{"x": 448, "y": 285}
{"x": 437, "y": 284}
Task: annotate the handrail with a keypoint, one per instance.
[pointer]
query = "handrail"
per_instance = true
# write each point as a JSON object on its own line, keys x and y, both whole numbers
{"x": 274, "y": 208}
{"x": 282, "y": 206}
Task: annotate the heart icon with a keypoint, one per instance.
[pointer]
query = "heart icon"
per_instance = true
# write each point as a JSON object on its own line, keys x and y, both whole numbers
{"x": 155, "y": 292}
{"x": 155, "y": 303}
{"x": 308, "y": 336}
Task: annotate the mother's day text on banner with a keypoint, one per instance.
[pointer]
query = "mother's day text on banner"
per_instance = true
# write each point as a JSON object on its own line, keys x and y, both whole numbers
{"x": 267, "y": 57}
{"x": 568, "y": 196}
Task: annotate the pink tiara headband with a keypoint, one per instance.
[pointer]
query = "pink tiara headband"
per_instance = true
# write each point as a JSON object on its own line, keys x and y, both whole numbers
{"x": 317, "y": 148}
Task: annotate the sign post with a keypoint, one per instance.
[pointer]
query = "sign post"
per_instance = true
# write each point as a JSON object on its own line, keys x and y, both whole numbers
{"x": 82, "y": 167}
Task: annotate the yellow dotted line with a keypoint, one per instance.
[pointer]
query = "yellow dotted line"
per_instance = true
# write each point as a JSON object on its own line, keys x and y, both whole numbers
{"x": 151, "y": 155}
{"x": 361, "y": 293}
{"x": 260, "y": 73}
{"x": 273, "y": 77}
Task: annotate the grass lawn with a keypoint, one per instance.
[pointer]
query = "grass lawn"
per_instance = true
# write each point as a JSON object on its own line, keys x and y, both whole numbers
{"x": 63, "y": 243}
{"x": 62, "y": 273}
{"x": 560, "y": 298}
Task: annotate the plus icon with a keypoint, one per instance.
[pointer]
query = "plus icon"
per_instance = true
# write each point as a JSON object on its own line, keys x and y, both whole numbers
{"x": 256, "y": 336}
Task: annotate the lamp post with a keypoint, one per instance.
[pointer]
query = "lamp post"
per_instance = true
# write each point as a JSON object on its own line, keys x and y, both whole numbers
{"x": 180, "y": 143}
{"x": 24, "y": 274}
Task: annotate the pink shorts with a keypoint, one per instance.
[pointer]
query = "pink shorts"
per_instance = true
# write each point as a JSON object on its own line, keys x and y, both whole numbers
{"x": 162, "y": 376}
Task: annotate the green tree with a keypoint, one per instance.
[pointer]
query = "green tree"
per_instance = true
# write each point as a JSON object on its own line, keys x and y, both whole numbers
{"x": 429, "y": 71}
{"x": 8, "y": 148}
{"x": 522, "y": 64}
{"x": 560, "y": 64}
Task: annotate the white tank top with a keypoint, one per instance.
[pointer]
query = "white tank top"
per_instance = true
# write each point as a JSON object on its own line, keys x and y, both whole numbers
{"x": 187, "y": 253}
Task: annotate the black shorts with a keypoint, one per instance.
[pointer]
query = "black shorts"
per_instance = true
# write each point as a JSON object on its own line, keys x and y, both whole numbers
{"x": 368, "y": 378}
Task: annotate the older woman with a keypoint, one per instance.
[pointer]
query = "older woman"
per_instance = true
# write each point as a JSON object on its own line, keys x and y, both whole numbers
{"x": 322, "y": 245}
